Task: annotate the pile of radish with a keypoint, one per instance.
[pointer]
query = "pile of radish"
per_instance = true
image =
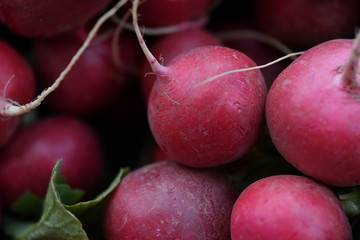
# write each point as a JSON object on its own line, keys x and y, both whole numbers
{"x": 159, "y": 119}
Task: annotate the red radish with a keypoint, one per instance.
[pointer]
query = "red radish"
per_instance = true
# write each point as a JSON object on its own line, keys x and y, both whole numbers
{"x": 159, "y": 13}
{"x": 313, "y": 112}
{"x": 28, "y": 159}
{"x": 17, "y": 83}
{"x": 166, "y": 200}
{"x": 95, "y": 80}
{"x": 203, "y": 125}
{"x": 169, "y": 46}
{"x": 304, "y": 23}
{"x": 283, "y": 207}
{"x": 34, "y": 18}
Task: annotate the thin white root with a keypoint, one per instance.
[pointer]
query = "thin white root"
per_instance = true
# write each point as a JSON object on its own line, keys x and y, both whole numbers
{"x": 154, "y": 63}
{"x": 349, "y": 76}
{"x": 168, "y": 29}
{"x": 255, "y": 35}
{"x": 12, "y": 110}
{"x": 248, "y": 69}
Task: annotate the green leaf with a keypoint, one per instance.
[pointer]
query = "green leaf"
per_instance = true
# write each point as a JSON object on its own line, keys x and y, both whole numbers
{"x": 15, "y": 228}
{"x": 61, "y": 211}
{"x": 91, "y": 209}
{"x": 349, "y": 198}
{"x": 67, "y": 194}
{"x": 31, "y": 205}
{"x": 28, "y": 205}
{"x": 56, "y": 222}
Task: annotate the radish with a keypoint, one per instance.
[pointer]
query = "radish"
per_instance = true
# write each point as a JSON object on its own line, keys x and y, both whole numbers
{"x": 203, "y": 125}
{"x": 288, "y": 207}
{"x": 95, "y": 81}
{"x": 34, "y": 18}
{"x": 166, "y": 200}
{"x": 313, "y": 112}
{"x": 28, "y": 159}
{"x": 169, "y": 12}
{"x": 16, "y": 83}
{"x": 304, "y": 23}
{"x": 169, "y": 46}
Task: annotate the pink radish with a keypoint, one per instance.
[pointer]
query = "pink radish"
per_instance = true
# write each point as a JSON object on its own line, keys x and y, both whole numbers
{"x": 313, "y": 112}
{"x": 169, "y": 46}
{"x": 27, "y": 161}
{"x": 16, "y": 83}
{"x": 304, "y": 23}
{"x": 34, "y": 18}
{"x": 283, "y": 207}
{"x": 203, "y": 125}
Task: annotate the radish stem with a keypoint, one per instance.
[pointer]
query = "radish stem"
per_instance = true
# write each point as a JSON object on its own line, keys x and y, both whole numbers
{"x": 349, "y": 77}
{"x": 154, "y": 63}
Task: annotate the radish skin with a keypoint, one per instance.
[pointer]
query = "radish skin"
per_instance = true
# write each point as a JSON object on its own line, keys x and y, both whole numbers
{"x": 313, "y": 111}
{"x": 203, "y": 125}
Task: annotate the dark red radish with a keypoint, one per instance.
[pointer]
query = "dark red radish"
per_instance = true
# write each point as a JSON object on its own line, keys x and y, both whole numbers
{"x": 304, "y": 23}
{"x": 169, "y": 46}
{"x": 27, "y": 161}
{"x": 205, "y": 124}
{"x": 95, "y": 81}
{"x": 283, "y": 207}
{"x": 313, "y": 112}
{"x": 45, "y": 18}
{"x": 166, "y": 200}
{"x": 17, "y": 85}
{"x": 160, "y": 13}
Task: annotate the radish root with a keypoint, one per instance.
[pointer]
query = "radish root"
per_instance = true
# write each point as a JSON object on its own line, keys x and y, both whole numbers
{"x": 12, "y": 110}
{"x": 248, "y": 69}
